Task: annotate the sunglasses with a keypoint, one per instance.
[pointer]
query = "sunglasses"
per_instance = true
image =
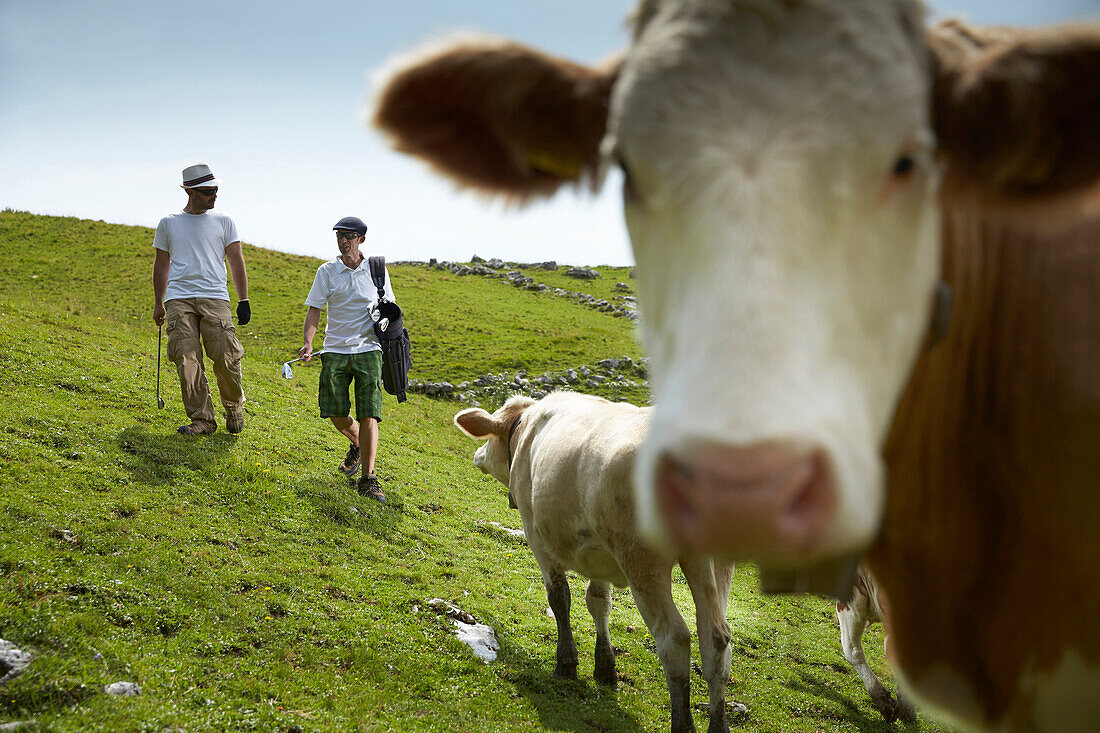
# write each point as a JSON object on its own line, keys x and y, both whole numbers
{"x": 206, "y": 191}
{"x": 347, "y": 235}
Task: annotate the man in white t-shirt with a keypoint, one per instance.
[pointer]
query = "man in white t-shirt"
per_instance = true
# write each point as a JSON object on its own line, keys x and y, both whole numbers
{"x": 190, "y": 296}
{"x": 352, "y": 351}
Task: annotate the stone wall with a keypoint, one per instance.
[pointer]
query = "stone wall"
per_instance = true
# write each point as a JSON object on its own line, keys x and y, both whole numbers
{"x": 493, "y": 389}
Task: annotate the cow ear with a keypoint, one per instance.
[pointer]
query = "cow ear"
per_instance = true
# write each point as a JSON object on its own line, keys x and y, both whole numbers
{"x": 497, "y": 116}
{"x": 475, "y": 422}
{"x": 1016, "y": 111}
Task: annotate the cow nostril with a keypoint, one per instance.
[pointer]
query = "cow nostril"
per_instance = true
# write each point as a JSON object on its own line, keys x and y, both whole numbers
{"x": 811, "y": 503}
{"x": 674, "y": 481}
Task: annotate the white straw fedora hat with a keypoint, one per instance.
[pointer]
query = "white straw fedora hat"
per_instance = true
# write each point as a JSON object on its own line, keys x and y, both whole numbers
{"x": 199, "y": 175}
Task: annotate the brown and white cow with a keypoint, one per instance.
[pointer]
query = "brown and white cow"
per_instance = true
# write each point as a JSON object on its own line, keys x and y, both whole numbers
{"x": 799, "y": 174}
{"x": 567, "y": 461}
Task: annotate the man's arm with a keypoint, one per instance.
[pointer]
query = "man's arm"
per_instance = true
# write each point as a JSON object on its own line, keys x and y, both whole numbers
{"x": 309, "y": 329}
{"x": 160, "y": 283}
{"x": 235, "y": 257}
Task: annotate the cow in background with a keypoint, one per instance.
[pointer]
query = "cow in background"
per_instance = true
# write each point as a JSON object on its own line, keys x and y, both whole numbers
{"x": 567, "y": 461}
{"x": 861, "y": 610}
{"x": 798, "y": 176}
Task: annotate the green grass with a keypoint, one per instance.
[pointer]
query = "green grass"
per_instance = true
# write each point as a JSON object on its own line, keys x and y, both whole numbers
{"x": 245, "y": 585}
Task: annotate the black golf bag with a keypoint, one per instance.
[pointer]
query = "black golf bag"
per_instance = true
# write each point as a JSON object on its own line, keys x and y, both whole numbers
{"x": 392, "y": 335}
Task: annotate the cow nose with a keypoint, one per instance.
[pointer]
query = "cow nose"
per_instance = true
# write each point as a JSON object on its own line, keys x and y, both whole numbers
{"x": 765, "y": 502}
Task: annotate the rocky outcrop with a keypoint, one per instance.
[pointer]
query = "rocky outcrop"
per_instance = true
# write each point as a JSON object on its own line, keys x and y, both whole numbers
{"x": 494, "y": 389}
{"x": 621, "y": 306}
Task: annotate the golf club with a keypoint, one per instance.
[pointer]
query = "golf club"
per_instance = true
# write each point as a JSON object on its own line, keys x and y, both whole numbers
{"x": 288, "y": 372}
{"x": 160, "y": 332}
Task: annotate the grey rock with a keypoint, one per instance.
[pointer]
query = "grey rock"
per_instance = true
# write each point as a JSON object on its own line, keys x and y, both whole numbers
{"x": 450, "y": 610}
{"x": 480, "y": 638}
{"x": 582, "y": 273}
{"x": 475, "y": 258}
{"x": 496, "y": 264}
{"x": 123, "y": 689}
{"x": 510, "y": 531}
{"x": 438, "y": 389}
{"x": 13, "y": 661}
{"x": 622, "y": 286}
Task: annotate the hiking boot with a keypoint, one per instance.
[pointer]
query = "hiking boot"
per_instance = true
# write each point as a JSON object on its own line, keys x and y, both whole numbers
{"x": 196, "y": 429}
{"x": 351, "y": 461}
{"x": 368, "y": 487}
{"x": 234, "y": 422}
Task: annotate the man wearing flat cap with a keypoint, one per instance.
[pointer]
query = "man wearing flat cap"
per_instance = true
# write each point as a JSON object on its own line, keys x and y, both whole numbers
{"x": 191, "y": 299}
{"x": 352, "y": 352}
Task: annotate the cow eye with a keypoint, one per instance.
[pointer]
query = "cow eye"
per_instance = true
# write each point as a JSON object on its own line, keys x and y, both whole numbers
{"x": 904, "y": 166}
{"x": 630, "y": 190}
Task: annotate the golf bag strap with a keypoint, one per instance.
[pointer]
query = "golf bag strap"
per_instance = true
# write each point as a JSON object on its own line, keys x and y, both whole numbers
{"x": 378, "y": 274}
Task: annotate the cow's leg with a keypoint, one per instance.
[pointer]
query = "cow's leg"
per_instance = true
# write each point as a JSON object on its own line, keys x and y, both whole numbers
{"x": 651, "y": 583}
{"x": 908, "y": 711}
{"x": 710, "y": 589}
{"x": 853, "y": 618}
{"x": 598, "y": 600}
{"x": 557, "y": 593}
{"x": 723, "y": 579}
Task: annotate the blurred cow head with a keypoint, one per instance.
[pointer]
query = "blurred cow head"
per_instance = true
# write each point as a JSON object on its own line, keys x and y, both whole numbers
{"x": 781, "y": 161}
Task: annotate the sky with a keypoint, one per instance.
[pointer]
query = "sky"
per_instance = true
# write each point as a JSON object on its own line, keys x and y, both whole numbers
{"x": 103, "y": 103}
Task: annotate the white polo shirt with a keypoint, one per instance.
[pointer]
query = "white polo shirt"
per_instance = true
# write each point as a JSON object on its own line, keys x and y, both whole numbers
{"x": 196, "y": 245}
{"x": 349, "y": 295}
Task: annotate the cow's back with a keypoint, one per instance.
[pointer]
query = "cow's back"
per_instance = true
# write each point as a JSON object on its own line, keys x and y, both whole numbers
{"x": 571, "y": 478}
{"x": 988, "y": 554}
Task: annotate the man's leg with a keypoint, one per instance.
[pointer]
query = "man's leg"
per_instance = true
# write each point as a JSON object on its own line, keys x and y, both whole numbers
{"x": 185, "y": 349}
{"x": 335, "y": 404}
{"x": 368, "y": 408}
{"x": 225, "y": 350}
{"x": 368, "y": 443}
{"x": 348, "y": 427}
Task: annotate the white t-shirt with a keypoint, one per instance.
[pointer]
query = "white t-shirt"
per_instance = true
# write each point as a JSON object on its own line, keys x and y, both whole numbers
{"x": 349, "y": 295}
{"x": 196, "y": 244}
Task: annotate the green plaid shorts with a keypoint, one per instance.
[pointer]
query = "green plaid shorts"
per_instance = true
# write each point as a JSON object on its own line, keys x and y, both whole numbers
{"x": 337, "y": 373}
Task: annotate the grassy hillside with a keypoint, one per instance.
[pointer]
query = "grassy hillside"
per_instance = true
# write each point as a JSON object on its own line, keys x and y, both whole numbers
{"x": 242, "y": 582}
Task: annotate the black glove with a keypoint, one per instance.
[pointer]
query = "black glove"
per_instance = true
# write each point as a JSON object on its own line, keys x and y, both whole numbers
{"x": 244, "y": 312}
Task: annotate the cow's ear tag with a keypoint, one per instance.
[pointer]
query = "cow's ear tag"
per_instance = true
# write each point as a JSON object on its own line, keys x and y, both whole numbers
{"x": 555, "y": 165}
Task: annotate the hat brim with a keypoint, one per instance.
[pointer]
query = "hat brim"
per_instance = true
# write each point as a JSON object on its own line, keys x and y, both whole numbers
{"x": 212, "y": 183}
